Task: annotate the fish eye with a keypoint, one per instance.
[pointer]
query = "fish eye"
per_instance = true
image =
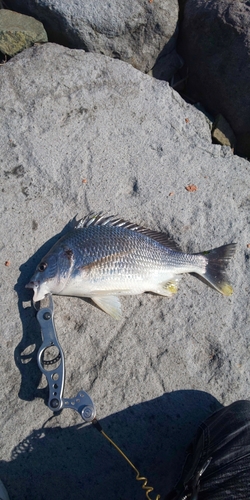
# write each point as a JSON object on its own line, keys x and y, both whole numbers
{"x": 42, "y": 266}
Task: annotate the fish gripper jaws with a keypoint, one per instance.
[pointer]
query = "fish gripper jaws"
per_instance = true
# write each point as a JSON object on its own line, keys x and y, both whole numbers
{"x": 50, "y": 359}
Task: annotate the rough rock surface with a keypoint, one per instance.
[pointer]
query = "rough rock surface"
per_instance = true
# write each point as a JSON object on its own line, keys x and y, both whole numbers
{"x": 134, "y": 31}
{"x": 18, "y": 32}
{"x": 215, "y": 45}
{"x": 80, "y": 132}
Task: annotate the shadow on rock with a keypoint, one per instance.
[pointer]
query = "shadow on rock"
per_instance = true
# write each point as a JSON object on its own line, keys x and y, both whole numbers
{"x": 168, "y": 62}
{"x": 26, "y": 351}
{"x": 78, "y": 463}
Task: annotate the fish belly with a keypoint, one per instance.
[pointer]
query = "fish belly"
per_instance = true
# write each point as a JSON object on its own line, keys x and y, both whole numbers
{"x": 153, "y": 281}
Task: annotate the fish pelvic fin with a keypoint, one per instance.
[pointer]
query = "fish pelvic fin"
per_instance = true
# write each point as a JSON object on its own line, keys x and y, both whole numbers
{"x": 109, "y": 304}
{"x": 215, "y": 274}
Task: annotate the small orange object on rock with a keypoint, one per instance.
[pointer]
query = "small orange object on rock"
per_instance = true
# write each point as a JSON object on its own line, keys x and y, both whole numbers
{"x": 7, "y": 263}
{"x": 248, "y": 245}
{"x": 191, "y": 187}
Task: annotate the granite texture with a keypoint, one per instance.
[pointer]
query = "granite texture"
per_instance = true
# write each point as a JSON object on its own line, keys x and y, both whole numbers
{"x": 135, "y": 31}
{"x": 82, "y": 132}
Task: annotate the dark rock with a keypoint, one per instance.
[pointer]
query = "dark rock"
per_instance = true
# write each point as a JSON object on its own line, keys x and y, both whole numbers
{"x": 243, "y": 145}
{"x": 215, "y": 45}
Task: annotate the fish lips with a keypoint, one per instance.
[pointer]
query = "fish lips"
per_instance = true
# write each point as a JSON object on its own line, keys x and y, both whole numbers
{"x": 39, "y": 293}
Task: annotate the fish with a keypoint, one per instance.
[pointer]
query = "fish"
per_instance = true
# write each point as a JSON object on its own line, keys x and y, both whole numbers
{"x": 103, "y": 257}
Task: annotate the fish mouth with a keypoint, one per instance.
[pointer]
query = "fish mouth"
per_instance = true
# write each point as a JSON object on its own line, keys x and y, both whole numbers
{"x": 37, "y": 289}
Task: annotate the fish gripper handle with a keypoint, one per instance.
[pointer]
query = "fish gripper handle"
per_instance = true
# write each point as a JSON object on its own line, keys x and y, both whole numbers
{"x": 50, "y": 359}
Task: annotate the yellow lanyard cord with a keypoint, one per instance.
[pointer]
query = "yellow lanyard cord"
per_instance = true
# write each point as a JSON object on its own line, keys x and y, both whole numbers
{"x": 145, "y": 487}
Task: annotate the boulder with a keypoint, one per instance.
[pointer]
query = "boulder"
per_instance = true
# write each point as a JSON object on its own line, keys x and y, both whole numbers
{"x": 83, "y": 132}
{"x": 18, "y": 32}
{"x": 134, "y": 31}
{"x": 215, "y": 45}
{"x": 222, "y": 132}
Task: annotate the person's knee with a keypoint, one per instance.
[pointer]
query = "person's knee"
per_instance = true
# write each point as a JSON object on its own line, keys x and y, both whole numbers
{"x": 235, "y": 417}
{"x": 240, "y": 407}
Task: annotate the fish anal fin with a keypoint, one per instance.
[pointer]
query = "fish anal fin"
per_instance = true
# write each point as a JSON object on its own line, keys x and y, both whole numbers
{"x": 168, "y": 288}
{"x": 108, "y": 303}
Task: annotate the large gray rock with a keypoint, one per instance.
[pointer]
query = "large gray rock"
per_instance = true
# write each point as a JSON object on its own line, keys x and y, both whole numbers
{"x": 18, "y": 32}
{"x": 134, "y": 31}
{"x": 215, "y": 45}
{"x": 81, "y": 132}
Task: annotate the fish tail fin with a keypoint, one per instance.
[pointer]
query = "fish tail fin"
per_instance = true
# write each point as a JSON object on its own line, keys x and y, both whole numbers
{"x": 215, "y": 273}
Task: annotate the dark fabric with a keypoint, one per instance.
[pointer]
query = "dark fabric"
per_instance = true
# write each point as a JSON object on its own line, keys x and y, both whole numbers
{"x": 218, "y": 465}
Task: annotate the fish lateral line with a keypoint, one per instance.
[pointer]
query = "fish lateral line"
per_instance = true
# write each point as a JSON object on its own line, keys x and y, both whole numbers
{"x": 110, "y": 258}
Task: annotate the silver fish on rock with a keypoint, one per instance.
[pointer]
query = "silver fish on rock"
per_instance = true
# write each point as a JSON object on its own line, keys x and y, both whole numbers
{"x": 103, "y": 257}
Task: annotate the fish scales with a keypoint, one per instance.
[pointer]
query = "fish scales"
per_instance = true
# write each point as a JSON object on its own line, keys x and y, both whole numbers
{"x": 100, "y": 242}
{"x": 104, "y": 257}
{"x": 123, "y": 253}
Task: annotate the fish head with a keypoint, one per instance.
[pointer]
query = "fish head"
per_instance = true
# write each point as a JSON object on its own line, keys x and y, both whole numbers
{"x": 52, "y": 273}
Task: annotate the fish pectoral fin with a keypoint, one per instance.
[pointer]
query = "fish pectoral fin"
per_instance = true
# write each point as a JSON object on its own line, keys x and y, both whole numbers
{"x": 110, "y": 304}
{"x": 168, "y": 288}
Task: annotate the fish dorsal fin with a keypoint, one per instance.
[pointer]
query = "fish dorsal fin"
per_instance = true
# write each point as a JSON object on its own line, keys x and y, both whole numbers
{"x": 162, "y": 238}
{"x": 102, "y": 220}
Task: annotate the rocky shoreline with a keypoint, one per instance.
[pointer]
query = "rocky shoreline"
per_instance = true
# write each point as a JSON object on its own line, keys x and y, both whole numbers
{"x": 200, "y": 48}
{"x": 84, "y": 131}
